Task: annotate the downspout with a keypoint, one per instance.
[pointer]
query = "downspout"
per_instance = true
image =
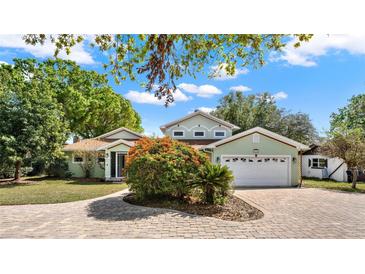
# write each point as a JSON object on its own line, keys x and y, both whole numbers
{"x": 300, "y": 168}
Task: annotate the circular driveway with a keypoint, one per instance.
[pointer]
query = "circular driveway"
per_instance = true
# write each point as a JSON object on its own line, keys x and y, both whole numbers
{"x": 289, "y": 213}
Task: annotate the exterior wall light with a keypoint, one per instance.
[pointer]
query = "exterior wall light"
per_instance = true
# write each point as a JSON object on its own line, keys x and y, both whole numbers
{"x": 255, "y": 151}
{"x": 217, "y": 159}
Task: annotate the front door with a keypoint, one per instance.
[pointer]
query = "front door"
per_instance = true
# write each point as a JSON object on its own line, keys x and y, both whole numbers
{"x": 117, "y": 164}
{"x": 120, "y": 164}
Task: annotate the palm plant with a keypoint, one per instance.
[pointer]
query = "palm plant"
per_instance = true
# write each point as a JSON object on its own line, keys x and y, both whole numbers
{"x": 215, "y": 182}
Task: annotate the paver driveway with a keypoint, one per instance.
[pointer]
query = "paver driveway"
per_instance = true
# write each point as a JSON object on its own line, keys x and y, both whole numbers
{"x": 289, "y": 213}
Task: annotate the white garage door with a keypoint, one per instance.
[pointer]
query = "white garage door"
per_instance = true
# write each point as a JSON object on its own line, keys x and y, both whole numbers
{"x": 259, "y": 171}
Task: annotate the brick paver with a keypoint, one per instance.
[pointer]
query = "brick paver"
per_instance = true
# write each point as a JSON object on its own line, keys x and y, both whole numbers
{"x": 289, "y": 213}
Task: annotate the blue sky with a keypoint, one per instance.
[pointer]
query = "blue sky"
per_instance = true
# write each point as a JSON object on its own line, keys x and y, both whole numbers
{"x": 317, "y": 79}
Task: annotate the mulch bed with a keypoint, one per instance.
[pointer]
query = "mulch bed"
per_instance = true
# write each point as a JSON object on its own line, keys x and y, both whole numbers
{"x": 235, "y": 209}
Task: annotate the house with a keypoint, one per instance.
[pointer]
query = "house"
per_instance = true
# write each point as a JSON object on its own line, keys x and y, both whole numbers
{"x": 108, "y": 150}
{"x": 319, "y": 166}
{"x": 257, "y": 157}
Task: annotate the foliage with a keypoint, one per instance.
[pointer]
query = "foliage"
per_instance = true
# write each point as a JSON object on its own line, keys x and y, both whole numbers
{"x": 31, "y": 121}
{"x": 298, "y": 126}
{"x": 348, "y": 145}
{"x": 352, "y": 116}
{"x": 261, "y": 110}
{"x": 58, "y": 168}
{"x": 89, "y": 104}
{"x": 90, "y": 159}
{"x": 162, "y": 166}
{"x": 165, "y": 58}
{"x": 215, "y": 182}
{"x": 51, "y": 191}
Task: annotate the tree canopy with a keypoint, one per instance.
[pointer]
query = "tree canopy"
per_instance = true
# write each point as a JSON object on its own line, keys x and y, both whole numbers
{"x": 31, "y": 120}
{"x": 165, "y": 58}
{"x": 261, "y": 110}
{"x": 351, "y": 116}
{"x": 90, "y": 105}
{"x": 349, "y": 145}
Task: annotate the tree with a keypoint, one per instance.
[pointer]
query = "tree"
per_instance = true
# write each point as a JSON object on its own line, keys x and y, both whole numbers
{"x": 299, "y": 127}
{"x": 90, "y": 105}
{"x": 348, "y": 145}
{"x": 165, "y": 58}
{"x": 31, "y": 120}
{"x": 352, "y": 116}
{"x": 261, "y": 110}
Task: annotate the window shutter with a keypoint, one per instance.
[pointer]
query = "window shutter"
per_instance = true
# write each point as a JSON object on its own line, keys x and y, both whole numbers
{"x": 309, "y": 162}
{"x": 112, "y": 164}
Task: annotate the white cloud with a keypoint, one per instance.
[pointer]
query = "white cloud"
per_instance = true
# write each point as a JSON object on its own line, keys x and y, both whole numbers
{"x": 149, "y": 98}
{"x": 205, "y": 91}
{"x": 240, "y": 88}
{"x": 3, "y": 62}
{"x": 307, "y": 54}
{"x": 280, "y": 95}
{"x": 78, "y": 53}
{"x": 219, "y": 72}
{"x": 204, "y": 109}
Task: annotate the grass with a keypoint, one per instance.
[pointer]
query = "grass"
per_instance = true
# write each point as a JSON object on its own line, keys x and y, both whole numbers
{"x": 49, "y": 191}
{"x": 333, "y": 185}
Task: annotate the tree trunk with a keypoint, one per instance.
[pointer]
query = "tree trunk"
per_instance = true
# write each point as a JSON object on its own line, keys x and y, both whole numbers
{"x": 17, "y": 170}
{"x": 354, "y": 178}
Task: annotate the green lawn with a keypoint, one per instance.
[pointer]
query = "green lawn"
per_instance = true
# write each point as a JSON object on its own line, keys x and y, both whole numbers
{"x": 328, "y": 184}
{"x": 49, "y": 191}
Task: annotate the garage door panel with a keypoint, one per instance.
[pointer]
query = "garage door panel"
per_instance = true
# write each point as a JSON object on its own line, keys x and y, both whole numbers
{"x": 259, "y": 171}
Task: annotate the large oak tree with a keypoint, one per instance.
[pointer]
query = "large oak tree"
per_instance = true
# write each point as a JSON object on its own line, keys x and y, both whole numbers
{"x": 164, "y": 58}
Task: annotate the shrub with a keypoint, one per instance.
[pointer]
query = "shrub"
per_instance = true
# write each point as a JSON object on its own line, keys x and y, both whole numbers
{"x": 58, "y": 168}
{"x": 162, "y": 166}
{"x": 214, "y": 182}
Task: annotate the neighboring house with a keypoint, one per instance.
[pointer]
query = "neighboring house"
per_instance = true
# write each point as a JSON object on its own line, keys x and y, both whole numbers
{"x": 110, "y": 150}
{"x": 257, "y": 157}
{"x": 319, "y": 166}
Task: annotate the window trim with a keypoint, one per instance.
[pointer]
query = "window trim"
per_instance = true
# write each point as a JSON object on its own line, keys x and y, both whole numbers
{"x": 73, "y": 159}
{"x": 194, "y": 131}
{"x": 317, "y": 160}
{"x": 220, "y": 130}
{"x": 178, "y": 130}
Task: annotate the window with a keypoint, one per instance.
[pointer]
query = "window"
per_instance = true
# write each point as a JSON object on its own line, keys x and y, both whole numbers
{"x": 319, "y": 163}
{"x": 199, "y": 133}
{"x": 101, "y": 160}
{"x": 256, "y": 138}
{"x": 178, "y": 133}
{"x": 219, "y": 133}
{"x": 78, "y": 159}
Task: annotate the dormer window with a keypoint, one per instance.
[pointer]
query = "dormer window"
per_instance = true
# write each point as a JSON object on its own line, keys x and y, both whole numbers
{"x": 178, "y": 133}
{"x": 219, "y": 133}
{"x": 199, "y": 133}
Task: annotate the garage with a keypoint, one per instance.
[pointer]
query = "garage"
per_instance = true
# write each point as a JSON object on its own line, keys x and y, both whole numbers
{"x": 259, "y": 171}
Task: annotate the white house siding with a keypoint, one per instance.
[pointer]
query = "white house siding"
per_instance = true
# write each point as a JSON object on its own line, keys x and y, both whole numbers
{"x": 340, "y": 175}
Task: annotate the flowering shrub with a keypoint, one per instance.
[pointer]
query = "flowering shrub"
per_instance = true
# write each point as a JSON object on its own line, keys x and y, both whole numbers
{"x": 162, "y": 166}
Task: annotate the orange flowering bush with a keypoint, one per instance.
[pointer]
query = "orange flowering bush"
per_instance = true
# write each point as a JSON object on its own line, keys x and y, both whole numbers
{"x": 162, "y": 166}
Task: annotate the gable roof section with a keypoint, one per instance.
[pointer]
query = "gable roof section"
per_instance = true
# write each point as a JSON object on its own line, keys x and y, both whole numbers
{"x": 198, "y": 112}
{"x": 105, "y": 135}
{"x": 264, "y": 132}
{"x": 85, "y": 145}
{"x": 115, "y": 143}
